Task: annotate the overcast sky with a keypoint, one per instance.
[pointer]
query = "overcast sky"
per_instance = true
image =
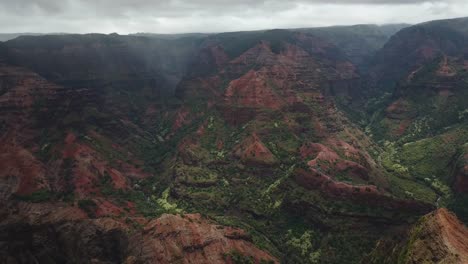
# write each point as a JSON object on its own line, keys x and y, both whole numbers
{"x": 179, "y": 16}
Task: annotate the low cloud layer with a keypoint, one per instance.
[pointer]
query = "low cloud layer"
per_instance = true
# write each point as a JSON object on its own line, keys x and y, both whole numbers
{"x": 177, "y": 16}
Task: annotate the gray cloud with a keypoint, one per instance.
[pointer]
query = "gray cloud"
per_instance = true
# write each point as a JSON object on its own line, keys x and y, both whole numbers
{"x": 167, "y": 16}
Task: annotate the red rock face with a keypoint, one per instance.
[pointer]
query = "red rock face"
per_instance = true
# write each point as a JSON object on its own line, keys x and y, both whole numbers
{"x": 23, "y": 88}
{"x": 252, "y": 90}
{"x": 445, "y": 69}
{"x": 328, "y": 161}
{"x": 398, "y": 109}
{"x": 440, "y": 236}
{"x": 106, "y": 208}
{"x": 284, "y": 88}
{"x": 260, "y": 54}
{"x": 349, "y": 151}
{"x": 320, "y": 152}
{"x": 370, "y": 195}
{"x": 26, "y": 96}
{"x": 426, "y": 84}
{"x": 21, "y": 172}
{"x": 191, "y": 239}
{"x": 26, "y": 107}
{"x": 313, "y": 179}
{"x": 454, "y": 233}
{"x": 181, "y": 119}
{"x": 181, "y": 238}
{"x": 253, "y": 151}
{"x": 262, "y": 80}
{"x": 89, "y": 167}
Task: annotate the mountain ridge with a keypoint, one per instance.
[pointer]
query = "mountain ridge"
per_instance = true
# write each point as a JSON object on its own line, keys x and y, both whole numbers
{"x": 229, "y": 148}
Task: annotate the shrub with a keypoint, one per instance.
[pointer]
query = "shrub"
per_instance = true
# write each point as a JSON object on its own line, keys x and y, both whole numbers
{"x": 89, "y": 206}
{"x": 36, "y": 197}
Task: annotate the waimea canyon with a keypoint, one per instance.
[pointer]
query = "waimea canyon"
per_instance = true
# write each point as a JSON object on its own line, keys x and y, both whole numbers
{"x": 340, "y": 144}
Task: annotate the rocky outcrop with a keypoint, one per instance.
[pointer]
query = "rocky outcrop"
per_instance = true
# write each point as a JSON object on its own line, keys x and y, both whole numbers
{"x": 52, "y": 234}
{"x": 269, "y": 75}
{"x": 438, "y": 237}
{"x": 21, "y": 173}
{"x": 358, "y": 42}
{"x": 252, "y": 90}
{"x": 422, "y": 43}
{"x": 192, "y": 239}
{"x": 253, "y": 151}
{"x": 427, "y": 84}
{"x": 370, "y": 195}
{"x": 328, "y": 161}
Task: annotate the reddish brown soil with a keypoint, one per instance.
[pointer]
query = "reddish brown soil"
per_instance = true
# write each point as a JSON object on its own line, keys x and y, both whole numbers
{"x": 168, "y": 239}
{"x": 89, "y": 167}
{"x": 439, "y": 238}
{"x": 252, "y": 150}
{"x": 445, "y": 70}
{"x": 21, "y": 172}
{"x": 106, "y": 208}
{"x": 398, "y": 109}
{"x": 252, "y": 90}
{"x": 313, "y": 179}
{"x": 180, "y": 119}
{"x": 191, "y": 239}
{"x": 331, "y": 163}
{"x": 455, "y": 234}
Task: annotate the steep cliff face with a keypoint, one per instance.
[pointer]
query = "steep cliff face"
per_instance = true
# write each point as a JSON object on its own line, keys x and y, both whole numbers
{"x": 60, "y": 233}
{"x": 419, "y": 112}
{"x": 433, "y": 96}
{"x": 48, "y": 143}
{"x": 132, "y": 74}
{"x": 438, "y": 237}
{"x": 58, "y": 172}
{"x": 358, "y": 42}
{"x": 267, "y": 141}
{"x": 280, "y": 53}
{"x": 75, "y": 176}
{"x": 421, "y": 43}
{"x": 100, "y": 57}
{"x": 192, "y": 239}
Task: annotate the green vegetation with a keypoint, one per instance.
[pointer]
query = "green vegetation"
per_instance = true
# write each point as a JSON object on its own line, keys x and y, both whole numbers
{"x": 89, "y": 206}
{"x": 458, "y": 206}
{"x": 423, "y": 169}
{"x": 431, "y": 156}
{"x": 47, "y": 140}
{"x": 196, "y": 168}
{"x": 237, "y": 258}
{"x": 301, "y": 248}
{"x": 165, "y": 204}
{"x": 415, "y": 234}
{"x": 39, "y": 196}
{"x": 146, "y": 201}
